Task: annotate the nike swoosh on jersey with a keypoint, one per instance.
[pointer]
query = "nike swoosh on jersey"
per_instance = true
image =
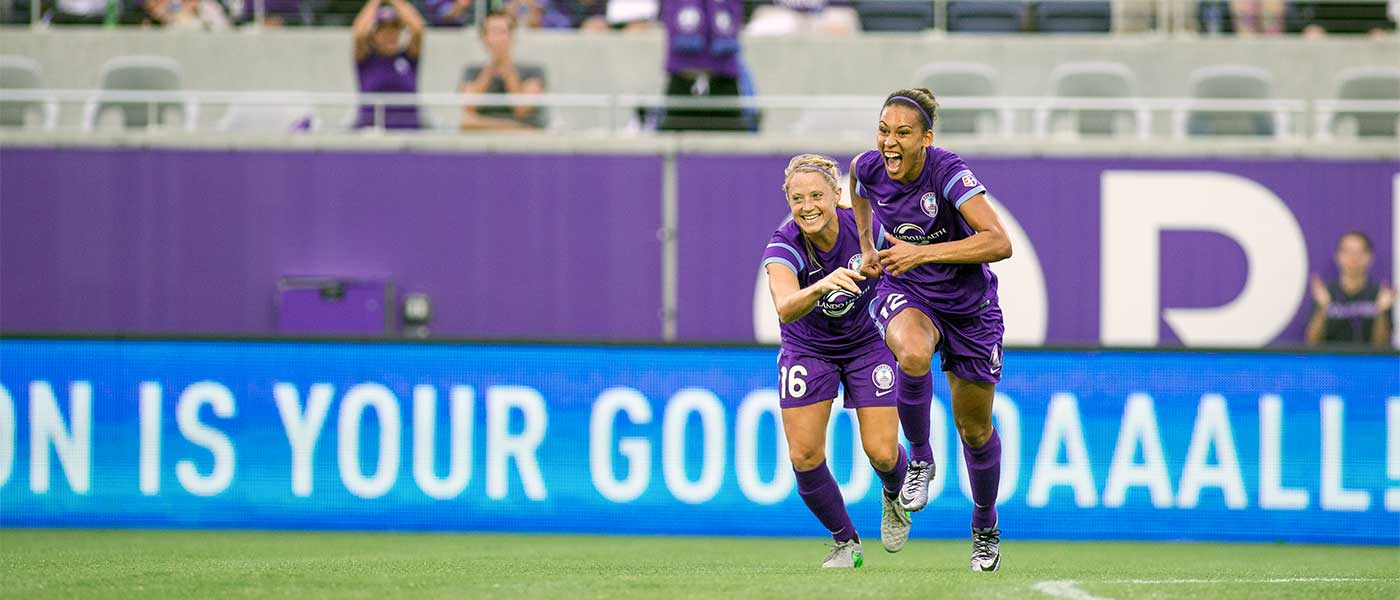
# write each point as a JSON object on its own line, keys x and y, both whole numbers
{"x": 884, "y": 393}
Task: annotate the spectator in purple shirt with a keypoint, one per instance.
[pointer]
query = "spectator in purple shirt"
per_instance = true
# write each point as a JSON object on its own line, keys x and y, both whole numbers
{"x": 1353, "y": 309}
{"x": 384, "y": 63}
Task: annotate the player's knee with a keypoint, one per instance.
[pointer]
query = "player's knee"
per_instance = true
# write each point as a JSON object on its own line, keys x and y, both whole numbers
{"x": 883, "y": 457}
{"x": 974, "y": 433}
{"x": 806, "y": 458}
{"x": 914, "y": 359}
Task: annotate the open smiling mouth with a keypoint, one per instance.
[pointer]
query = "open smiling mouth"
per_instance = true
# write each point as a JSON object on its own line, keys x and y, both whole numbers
{"x": 893, "y": 160}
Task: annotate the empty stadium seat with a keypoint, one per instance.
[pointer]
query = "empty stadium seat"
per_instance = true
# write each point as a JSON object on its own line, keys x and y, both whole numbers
{"x": 1229, "y": 82}
{"x": 1073, "y": 16}
{"x": 987, "y": 16}
{"x": 139, "y": 73}
{"x": 1094, "y": 79}
{"x": 895, "y": 15}
{"x": 24, "y": 73}
{"x": 960, "y": 79}
{"x": 1368, "y": 83}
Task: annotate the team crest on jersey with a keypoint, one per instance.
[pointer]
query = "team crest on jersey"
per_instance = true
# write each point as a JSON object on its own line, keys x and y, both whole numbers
{"x": 883, "y": 376}
{"x": 855, "y": 262}
{"x": 996, "y": 358}
{"x": 930, "y": 205}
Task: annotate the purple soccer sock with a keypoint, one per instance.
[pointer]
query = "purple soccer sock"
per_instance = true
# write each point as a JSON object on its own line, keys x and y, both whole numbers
{"x": 984, "y": 475}
{"x": 823, "y": 497}
{"x": 894, "y": 478}
{"x": 915, "y": 397}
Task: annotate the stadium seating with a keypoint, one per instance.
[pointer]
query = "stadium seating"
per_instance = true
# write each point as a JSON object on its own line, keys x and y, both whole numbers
{"x": 1073, "y": 16}
{"x": 1368, "y": 83}
{"x": 1093, "y": 79}
{"x": 951, "y": 80}
{"x": 895, "y": 15}
{"x": 986, "y": 16}
{"x": 144, "y": 73}
{"x": 24, "y": 73}
{"x": 1229, "y": 82}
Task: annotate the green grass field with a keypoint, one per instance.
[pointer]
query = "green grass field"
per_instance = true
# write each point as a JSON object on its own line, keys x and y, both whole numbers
{"x": 192, "y": 564}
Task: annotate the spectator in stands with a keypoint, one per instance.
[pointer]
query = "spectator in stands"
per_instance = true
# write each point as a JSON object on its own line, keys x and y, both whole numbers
{"x": 384, "y": 63}
{"x": 1353, "y": 309}
{"x": 501, "y": 75}
{"x": 1257, "y": 17}
{"x": 702, "y": 60}
{"x": 189, "y": 15}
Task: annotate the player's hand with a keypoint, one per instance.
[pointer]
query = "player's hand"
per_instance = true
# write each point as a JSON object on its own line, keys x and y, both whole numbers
{"x": 900, "y": 256}
{"x": 841, "y": 279}
{"x": 1385, "y": 298}
{"x": 1321, "y": 297}
{"x": 870, "y": 263}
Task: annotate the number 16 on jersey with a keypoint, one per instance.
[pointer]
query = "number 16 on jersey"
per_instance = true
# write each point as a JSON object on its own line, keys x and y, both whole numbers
{"x": 790, "y": 382}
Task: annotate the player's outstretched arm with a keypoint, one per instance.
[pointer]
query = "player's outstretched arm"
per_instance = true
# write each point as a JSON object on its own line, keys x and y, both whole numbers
{"x": 794, "y": 302}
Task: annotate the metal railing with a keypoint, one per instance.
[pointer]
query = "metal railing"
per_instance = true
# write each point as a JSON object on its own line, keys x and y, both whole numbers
{"x": 1002, "y": 117}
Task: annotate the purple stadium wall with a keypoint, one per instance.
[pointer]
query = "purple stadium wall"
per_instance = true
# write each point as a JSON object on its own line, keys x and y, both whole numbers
{"x": 566, "y": 247}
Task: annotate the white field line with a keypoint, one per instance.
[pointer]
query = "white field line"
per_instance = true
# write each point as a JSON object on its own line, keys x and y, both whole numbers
{"x": 1280, "y": 580}
{"x": 1065, "y": 588}
{"x": 1070, "y": 590}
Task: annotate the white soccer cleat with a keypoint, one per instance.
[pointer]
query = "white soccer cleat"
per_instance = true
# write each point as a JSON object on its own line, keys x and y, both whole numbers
{"x": 844, "y": 555}
{"x": 913, "y": 495}
{"x": 986, "y": 549}
{"x": 894, "y": 524}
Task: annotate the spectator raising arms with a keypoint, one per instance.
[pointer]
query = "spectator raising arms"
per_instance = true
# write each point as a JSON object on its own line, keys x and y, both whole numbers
{"x": 501, "y": 75}
{"x": 1354, "y": 309}
{"x": 384, "y": 63}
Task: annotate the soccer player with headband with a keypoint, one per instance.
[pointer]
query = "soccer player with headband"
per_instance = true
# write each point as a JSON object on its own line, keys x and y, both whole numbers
{"x": 938, "y": 296}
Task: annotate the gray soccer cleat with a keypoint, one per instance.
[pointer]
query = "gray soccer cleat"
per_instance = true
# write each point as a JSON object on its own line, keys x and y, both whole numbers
{"x": 894, "y": 524}
{"x": 986, "y": 549}
{"x": 913, "y": 495}
{"x": 844, "y": 555}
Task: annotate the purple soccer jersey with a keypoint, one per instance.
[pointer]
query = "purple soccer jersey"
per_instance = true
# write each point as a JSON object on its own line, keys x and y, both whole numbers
{"x": 925, "y": 211}
{"x": 839, "y": 325}
{"x": 380, "y": 73}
